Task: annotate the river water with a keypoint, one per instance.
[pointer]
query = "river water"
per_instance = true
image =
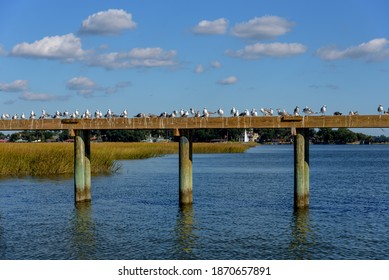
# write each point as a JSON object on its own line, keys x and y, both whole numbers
{"x": 243, "y": 209}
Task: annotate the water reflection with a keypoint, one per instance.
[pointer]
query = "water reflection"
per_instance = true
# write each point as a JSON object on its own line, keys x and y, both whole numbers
{"x": 302, "y": 235}
{"x": 186, "y": 238}
{"x": 82, "y": 233}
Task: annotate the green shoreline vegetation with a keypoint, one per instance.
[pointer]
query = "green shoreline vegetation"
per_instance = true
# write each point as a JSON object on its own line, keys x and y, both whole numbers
{"x": 51, "y": 159}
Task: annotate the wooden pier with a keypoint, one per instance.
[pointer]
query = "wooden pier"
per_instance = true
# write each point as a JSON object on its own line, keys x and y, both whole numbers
{"x": 183, "y": 128}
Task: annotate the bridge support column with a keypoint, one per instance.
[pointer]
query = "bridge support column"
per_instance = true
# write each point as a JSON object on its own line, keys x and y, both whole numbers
{"x": 185, "y": 167}
{"x": 301, "y": 168}
{"x": 82, "y": 170}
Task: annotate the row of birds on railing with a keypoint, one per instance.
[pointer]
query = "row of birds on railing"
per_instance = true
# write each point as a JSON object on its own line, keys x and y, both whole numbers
{"x": 181, "y": 113}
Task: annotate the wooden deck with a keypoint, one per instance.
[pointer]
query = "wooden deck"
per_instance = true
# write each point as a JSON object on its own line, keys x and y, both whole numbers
{"x": 356, "y": 121}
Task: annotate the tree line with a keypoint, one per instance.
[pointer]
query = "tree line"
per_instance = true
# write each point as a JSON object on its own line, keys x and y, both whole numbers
{"x": 316, "y": 136}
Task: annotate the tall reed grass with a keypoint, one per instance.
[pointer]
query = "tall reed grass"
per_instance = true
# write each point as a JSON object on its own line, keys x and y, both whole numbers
{"x": 45, "y": 159}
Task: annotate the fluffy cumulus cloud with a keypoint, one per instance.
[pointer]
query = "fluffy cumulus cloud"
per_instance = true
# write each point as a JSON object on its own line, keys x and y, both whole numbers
{"x": 15, "y": 86}
{"x": 216, "y": 64}
{"x": 82, "y": 85}
{"x": 260, "y": 50}
{"x": 67, "y": 47}
{"x": 108, "y": 22}
{"x": 218, "y": 26}
{"x": 260, "y": 28}
{"x": 228, "y": 81}
{"x": 374, "y": 50}
{"x": 137, "y": 57}
{"x": 42, "y": 97}
{"x": 86, "y": 87}
{"x": 199, "y": 69}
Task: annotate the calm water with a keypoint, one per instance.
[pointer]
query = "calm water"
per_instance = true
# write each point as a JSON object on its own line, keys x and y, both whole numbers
{"x": 243, "y": 209}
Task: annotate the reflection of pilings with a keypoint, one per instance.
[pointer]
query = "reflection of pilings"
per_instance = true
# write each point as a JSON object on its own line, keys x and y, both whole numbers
{"x": 83, "y": 232}
{"x": 301, "y": 168}
{"x": 185, "y": 167}
{"x": 82, "y": 171}
{"x": 184, "y": 231}
{"x": 302, "y": 235}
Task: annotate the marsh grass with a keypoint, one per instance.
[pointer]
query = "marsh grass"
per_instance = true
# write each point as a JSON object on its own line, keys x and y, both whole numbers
{"x": 46, "y": 159}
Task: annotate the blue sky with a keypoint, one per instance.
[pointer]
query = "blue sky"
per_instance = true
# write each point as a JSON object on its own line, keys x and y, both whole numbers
{"x": 154, "y": 56}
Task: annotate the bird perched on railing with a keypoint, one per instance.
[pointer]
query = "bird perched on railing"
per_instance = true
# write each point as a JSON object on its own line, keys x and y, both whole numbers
{"x": 296, "y": 111}
{"x": 380, "y": 109}
{"x": 253, "y": 113}
{"x": 220, "y": 112}
{"x": 4, "y": 116}
{"x": 308, "y": 111}
{"x": 323, "y": 109}
{"x": 124, "y": 114}
{"x": 233, "y": 111}
{"x": 267, "y": 111}
{"x": 353, "y": 113}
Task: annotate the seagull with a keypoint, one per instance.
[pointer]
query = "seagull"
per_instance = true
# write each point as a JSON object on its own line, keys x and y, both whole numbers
{"x": 323, "y": 109}
{"x": 15, "y": 117}
{"x": 98, "y": 114}
{"x": 23, "y": 116}
{"x": 254, "y": 112}
{"x": 233, "y": 111}
{"x": 205, "y": 113}
{"x": 57, "y": 115}
{"x": 245, "y": 113}
{"x": 308, "y": 111}
{"x": 163, "y": 115}
{"x": 32, "y": 115}
{"x": 192, "y": 111}
{"x": 65, "y": 114}
{"x": 337, "y": 113}
{"x": 380, "y": 109}
{"x": 124, "y": 114}
{"x": 220, "y": 112}
{"x": 108, "y": 114}
{"x": 4, "y": 116}
{"x": 140, "y": 115}
{"x": 267, "y": 111}
{"x": 296, "y": 111}
{"x": 282, "y": 113}
{"x": 197, "y": 114}
{"x": 353, "y": 113}
{"x": 76, "y": 113}
{"x": 184, "y": 114}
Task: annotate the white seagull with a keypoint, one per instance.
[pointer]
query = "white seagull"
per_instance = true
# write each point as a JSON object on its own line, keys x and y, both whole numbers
{"x": 323, "y": 109}
{"x": 380, "y": 109}
{"x": 220, "y": 112}
{"x": 296, "y": 111}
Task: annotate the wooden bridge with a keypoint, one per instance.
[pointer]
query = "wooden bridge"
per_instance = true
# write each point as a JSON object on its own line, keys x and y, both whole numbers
{"x": 183, "y": 128}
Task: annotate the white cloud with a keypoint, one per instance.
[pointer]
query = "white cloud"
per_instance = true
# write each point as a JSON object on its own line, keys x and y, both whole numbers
{"x": 228, "y": 81}
{"x": 15, "y": 86}
{"x": 218, "y": 26}
{"x": 374, "y": 50}
{"x": 67, "y": 47}
{"x": 216, "y": 64}
{"x": 86, "y": 87}
{"x": 137, "y": 57}
{"x": 260, "y": 50}
{"x": 199, "y": 68}
{"x": 108, "y": 22}
{"x": 82, "y": 85}
{"x": 29, "y": 96}
{"x": 266, "y": 27}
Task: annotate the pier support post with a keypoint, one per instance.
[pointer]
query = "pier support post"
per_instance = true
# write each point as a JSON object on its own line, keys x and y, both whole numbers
{"x": 185, "y": 167}
{"x": 301, "y": 168}
{"x": 82, "y": 171}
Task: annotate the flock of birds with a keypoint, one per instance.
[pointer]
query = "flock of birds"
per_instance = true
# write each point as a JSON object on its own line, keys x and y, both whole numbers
{"x": 182, "y": 113}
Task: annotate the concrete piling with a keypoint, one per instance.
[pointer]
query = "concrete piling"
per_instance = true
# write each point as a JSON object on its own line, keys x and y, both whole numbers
{"x": 301, "y": 168}
{"x": 185, "y": 167}
{"x": 82, "y": 171}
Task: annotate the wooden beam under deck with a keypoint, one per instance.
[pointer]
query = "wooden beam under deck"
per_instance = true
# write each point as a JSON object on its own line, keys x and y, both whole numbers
{"x": 356, "y": 121}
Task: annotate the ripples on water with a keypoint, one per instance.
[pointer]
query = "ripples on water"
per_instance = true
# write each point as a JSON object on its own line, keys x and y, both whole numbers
{"x": 243, "y": 209}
